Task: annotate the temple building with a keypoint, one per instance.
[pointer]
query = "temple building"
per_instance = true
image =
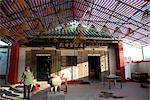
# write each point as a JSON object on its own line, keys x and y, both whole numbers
{"x": 88, "y": 40}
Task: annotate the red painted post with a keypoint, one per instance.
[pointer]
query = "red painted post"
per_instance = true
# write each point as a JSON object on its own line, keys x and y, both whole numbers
{"x": 13, "y": 67}
{"x": 120, "y": 59}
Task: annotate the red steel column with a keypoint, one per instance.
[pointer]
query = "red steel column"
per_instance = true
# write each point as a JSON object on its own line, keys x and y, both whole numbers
{"x": 120, "y": 59}
{"x": 13, "y": 67}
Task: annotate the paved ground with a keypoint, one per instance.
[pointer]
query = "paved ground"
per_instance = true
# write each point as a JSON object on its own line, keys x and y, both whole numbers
{"x": 130, "y": 91}
{"x": 93, "y": 91}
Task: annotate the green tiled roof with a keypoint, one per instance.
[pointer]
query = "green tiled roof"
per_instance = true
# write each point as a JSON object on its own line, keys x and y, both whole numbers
{"x": 85, "y": 33}
{"x": 88, "y": 33}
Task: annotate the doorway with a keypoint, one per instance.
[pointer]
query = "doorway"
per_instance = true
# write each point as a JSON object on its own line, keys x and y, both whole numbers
{"x": 43, "y": 67}
{"x": 94, "y": 67}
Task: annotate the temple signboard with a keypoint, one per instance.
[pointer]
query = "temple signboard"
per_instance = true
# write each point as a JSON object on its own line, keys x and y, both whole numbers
{"x": 70, "y": 45}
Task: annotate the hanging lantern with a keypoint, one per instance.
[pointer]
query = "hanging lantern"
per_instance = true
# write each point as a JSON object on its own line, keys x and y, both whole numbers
{"x": 73, "y": 9}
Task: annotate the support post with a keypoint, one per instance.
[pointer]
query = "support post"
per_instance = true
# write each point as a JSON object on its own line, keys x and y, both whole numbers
{"x": 120, "y": 59}
{"x": 13, "y": 67}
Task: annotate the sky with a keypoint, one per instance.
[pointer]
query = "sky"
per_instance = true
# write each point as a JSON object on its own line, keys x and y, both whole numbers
{"x": 2, "y": 43}
{"x": 146, "y": 50}
{"x": 136, "y": 52}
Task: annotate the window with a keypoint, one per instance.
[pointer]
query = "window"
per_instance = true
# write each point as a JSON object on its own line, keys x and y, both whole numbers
{"x": 71, "y": 61}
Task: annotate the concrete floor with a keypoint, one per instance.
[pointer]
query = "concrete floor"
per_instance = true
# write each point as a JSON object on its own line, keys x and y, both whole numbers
{"x": 130, "y": 91}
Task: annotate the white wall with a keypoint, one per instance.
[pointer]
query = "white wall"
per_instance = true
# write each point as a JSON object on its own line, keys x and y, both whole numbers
{"x": 127, "y": 71}
{"x": 135, "y": 53}
{"x": 144, "y": 67}
{"x": 112, "y": 60}
{"x": 146, "y": 51}
{"x": 132, "y": 67}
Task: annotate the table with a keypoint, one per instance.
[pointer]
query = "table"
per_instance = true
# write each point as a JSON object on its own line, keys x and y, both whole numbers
{"x": 112, "y": 78}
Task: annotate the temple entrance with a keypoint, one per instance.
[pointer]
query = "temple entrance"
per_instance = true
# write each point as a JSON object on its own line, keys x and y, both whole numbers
{"x": 94, "y": 67}
{"x": 43, "y": 67}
